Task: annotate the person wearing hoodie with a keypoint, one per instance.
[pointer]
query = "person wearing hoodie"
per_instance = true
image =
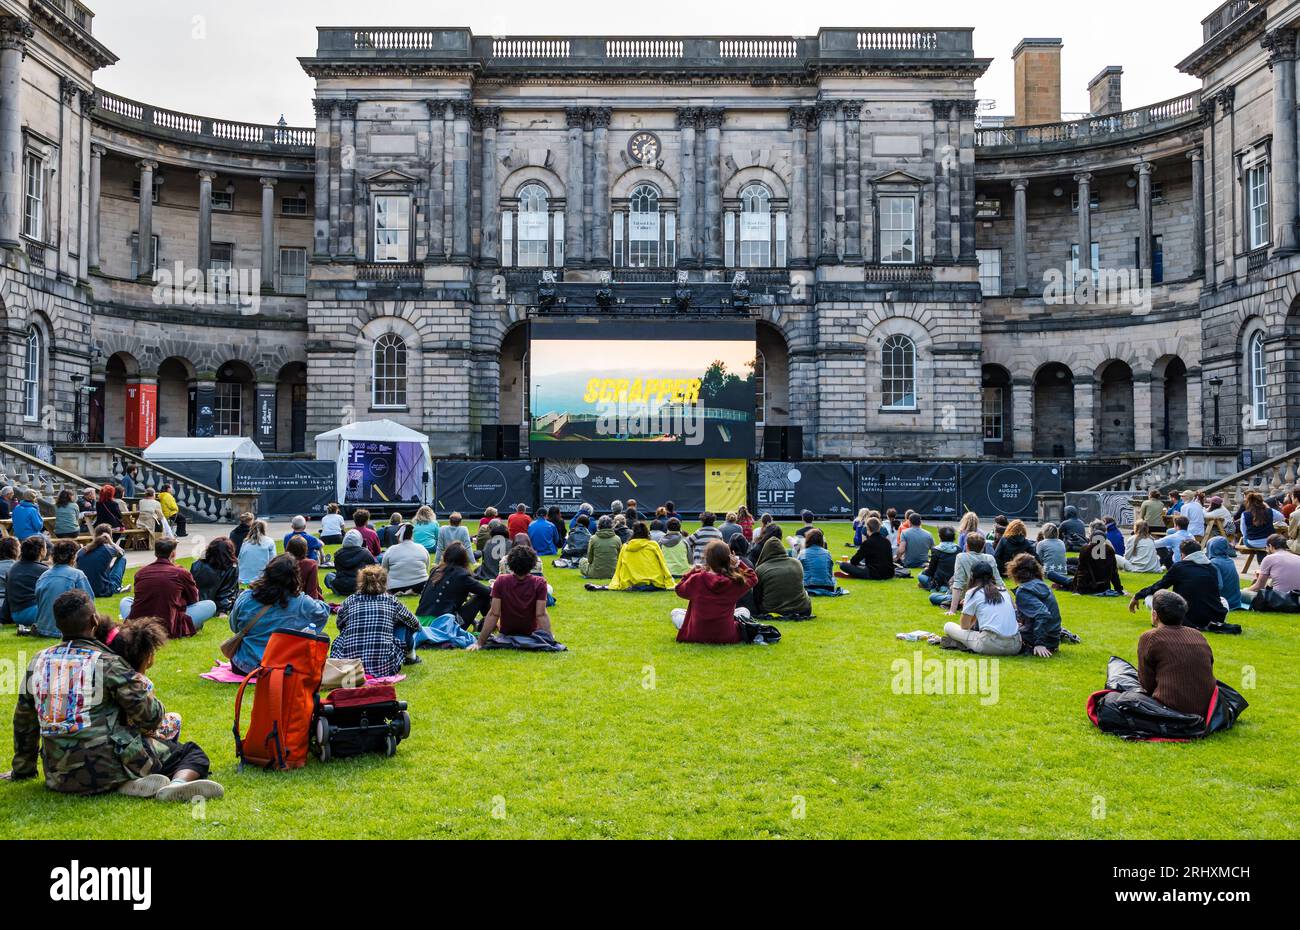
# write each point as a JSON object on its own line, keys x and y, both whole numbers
{"x": 601, "y": 559}
{"x": 677, "y": 551}
{"x": 641, "y": 565}
{"x": 1036, "y": 608}
{"x": 874, "y": 560}
{"x": 943, "y": 560}
{"x": 543, "y": 536}
{"x": 1222, "y": 557}
{"x": 350, "y": 558}
{"x": 1196, "y": 581}
{"x": 1015, "y": 541}
{"x": 575, "y": 543}
{"x": 27, "y": 519}
{"x": 712, "y": 591}
{"x": 584, "y": 510}
{"x": 1073, "y": 532}
{"x": 818, "y": 566}
{"x": 780, "y": 590}
{"x": 495, "y": 550}
{"x": 706, "y": 534}
{"x": 1115, "y": 537}
{"x": 1098, "y": 569}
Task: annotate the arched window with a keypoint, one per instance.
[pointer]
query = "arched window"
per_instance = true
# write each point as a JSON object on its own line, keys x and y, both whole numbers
{"x": 33, "y": 363}
{"x": 1258, "y": 380}
{"x": 755, "y": 227}
{"x": 643, "y": 227}
{"x": 898, "y": 373}
{"x": 390, "y": 372}
{"x": 760, "y": 389}
{"x": 534, "y": 226}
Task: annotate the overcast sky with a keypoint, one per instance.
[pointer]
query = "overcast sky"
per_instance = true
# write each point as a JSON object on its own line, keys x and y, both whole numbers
{"x": 237, "y": 59}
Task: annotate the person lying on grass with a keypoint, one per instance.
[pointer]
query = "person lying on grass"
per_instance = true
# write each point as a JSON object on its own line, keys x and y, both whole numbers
{"x": 641, "y": 565}
{"x": 518, "y": 600}
{"x": 87, "y": 713}
{"x": 712, "y": 591}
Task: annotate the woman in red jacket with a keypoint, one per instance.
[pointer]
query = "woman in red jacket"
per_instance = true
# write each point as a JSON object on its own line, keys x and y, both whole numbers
{"x": 712, "y": 590}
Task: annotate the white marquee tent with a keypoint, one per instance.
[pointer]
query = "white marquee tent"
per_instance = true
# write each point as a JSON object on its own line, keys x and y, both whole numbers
{"x": 349, "y": 447}
{"x": 224, "y": 450}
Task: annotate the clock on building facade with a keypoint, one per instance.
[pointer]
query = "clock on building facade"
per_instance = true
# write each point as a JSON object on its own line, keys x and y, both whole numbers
{"x": 644, "y": 148}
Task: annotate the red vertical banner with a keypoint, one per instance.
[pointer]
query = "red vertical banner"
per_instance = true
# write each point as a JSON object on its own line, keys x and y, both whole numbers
{"x": 141, "y": 415}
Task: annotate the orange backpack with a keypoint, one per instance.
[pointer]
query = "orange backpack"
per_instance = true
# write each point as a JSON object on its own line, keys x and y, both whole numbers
{"x": 287, "y": 683}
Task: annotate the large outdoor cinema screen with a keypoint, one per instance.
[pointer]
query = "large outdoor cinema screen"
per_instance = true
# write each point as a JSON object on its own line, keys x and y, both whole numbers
{"x": 612, "y": 389}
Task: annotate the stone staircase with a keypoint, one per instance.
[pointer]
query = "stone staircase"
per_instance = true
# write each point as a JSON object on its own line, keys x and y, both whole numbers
{"x": 1275, "y": 476}
{"x": 24, "y": 470}
{"x": 1176, "y": 471}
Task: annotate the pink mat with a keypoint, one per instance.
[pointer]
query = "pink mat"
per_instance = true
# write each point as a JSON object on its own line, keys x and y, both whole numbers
{"x": 221, "y": 673}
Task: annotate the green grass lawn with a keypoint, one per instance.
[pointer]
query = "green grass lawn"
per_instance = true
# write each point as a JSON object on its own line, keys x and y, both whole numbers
{"x": 631, "y": 735}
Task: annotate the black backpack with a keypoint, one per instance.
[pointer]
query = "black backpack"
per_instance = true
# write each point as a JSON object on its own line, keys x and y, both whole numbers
{"x": 750, "y": 630}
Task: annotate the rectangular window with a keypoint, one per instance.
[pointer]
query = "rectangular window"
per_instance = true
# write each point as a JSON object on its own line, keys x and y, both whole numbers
{"x": 293, "y": 206}
{"x": 392, "y": 229}
{"x": 755, "y": 240}
{"x": 670, "y": 240}
{"x": 507, "y": 238}
{"x": 228, "y": 410}
{"x": 780, "y": 240}
{"x": 1157, "y": 259}
{"x": 1257, "y": 207}
{"x": 557, "y": 236}
{"x": 729, "y": 238}
{"x": 34, "y": 199}
{"x": 993, "y": 414}
{"x": 643, "y": 235}
{"x": 898, "y": 230}
{"x": 135, "y": 191}
{"x": 293, "y": 271}
{"x": 990, "y": 271}
{"x": 223, "y": 201}
{"x": 618, "y": 241}
{"x": 1074, "y": 259}
{"x": 534, "y": 228}
{"x": 1094, "y": 202}
{"x": 221, "y": 268}
{"x": 135, "y": 254}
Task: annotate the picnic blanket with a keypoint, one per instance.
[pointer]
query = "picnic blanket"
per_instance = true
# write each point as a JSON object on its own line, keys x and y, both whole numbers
{"x": 539, "y": 641}
{"x": 221, "y": 673}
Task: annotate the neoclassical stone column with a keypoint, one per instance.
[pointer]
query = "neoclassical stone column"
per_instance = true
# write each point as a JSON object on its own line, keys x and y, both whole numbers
{"x": 853, "y": 181}
{"x": 943, "y": 182}
{"x": 813, "y": 220}
{"x": 14, "y": 33}
{"x": 1021, "y": 187}
{"x": 1022, "y": 422}
{"x": 841, "y": 178}
{"x": 448, "y": 178}
{"x": 1084, "y": 180}
{"x": 600, "y": 205}
{"x": 461, "y": 112}
{"x": 713, "y": 257}
{"x": 1143, "y": 413}
{"x": 1281, "y": 46}
{"x": 347, "y": 179}
{"x": 965, "y": 156}
{"x": 268, "y": 235}
{"x": 436, "y": 110}
{"x": 575, "y": 119}
{"x": 1197, "y": 157}
{"x": 1143, "y": 169}
{"x": 144, "y": 228}
{"x": 799, "y": 188}
{"x": 321, "y": 225}
{"x": 1085, "y": 423}
{"x": 96, "y": 187}
{"x": 337, "y": 159}
{"x": 489, "y": 221}
{"x": 205, "y": 220}
{"x": 687, "y": 118}
{"x": 827, "y": 249}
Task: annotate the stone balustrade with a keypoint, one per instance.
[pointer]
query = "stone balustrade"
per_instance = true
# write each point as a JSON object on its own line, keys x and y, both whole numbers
{"x": 1095, "y": 129}
{"x": 151, "y": 120}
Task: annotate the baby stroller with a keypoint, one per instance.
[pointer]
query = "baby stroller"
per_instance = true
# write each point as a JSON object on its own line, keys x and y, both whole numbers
{"x": 356, "y": 721}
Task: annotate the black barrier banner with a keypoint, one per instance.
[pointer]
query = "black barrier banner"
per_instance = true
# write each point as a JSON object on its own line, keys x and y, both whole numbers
{"x": 289, "y": 487}
{"x": 1011, "y": 490}
{"x": 567, "y": 483}
{"x": 932, "y": 490}
{"x": 203, "y": 471}
{"x": 471, "y": 488}
{"x": 787, "y": 489}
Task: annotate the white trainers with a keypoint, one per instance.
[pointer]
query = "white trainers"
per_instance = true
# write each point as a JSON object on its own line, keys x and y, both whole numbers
{"x": 146, "y": 787}
{"x": 189, "y": 790}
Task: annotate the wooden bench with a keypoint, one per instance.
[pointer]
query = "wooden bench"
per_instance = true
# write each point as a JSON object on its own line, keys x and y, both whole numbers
{"x": 1251, "y": 555}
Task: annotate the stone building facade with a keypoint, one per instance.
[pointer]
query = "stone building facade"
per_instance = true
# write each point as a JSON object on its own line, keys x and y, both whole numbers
{"x": 926, "y": 281}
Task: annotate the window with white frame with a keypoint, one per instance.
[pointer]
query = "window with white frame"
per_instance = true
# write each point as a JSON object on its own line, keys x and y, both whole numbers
{"x": 643, "y": 231}
{"x": 392, "y": 225}
{"x": 534, "y": 227}
{"x": 898, "y": 373}
{"x": 389, "y": 381}
{"x": 295, "y": 205}
{"x": 1258, "y": 231}
{"x": 755, "y": 227}
{"x": 993, "y": 412}
{"x": 223, "y": 201}
{"x": 34, "y": 198}
{"x": 33, "y": 365}
{"x": 990, "y": 271}
{"x": 135, "y": 189}
{"x": 293, "y": 270}
{"x": 1258, "y": 381}
{"x": 227, "y": 412}
{"x": 135, "y": 254}
{"x": 760, "y": 389}
{"x": 1074, "y": 259}
{"x": 898, "y": 230}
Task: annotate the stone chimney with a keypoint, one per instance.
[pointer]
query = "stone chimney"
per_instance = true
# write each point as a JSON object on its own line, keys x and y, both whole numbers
{"x": 1104, "y": 92}
{"x": 1038, "y": 81}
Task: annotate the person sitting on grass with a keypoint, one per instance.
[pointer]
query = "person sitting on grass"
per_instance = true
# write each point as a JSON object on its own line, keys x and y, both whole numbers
{"x": 20, "y": 607}
{"x": 1140, "y": 554}
{"x": 453, "y": 532}
{"x": 258, "y": 549}
{"x": 1175, "y": 661}
{"x": 388, "y": 534}
{"x": 1223, "y": 558}
{"x": 943, "y": 561}
{"x": 375, "y": 627}
{"x": 968, "y": 527}
{"x": 298, "y": 530}
{"x": 241, "y": 531}
{"x": 1169, "y": 547}
{"x": 494, "y": 551}
{"x": 452, "y": 589}
{"x": 1073, "y": 531}
{"x": 1194, "y": 580}
{"x": 104, "y": 563}
{"x": 988, "y": 617}
{"x": 561, "y": 529}
{"x": 543, "y": 536}
{"x": 575, "y": 543}
{"x": 914, "y": 543}
{"x": 874, "y": 560}
{"x": 1050, "y": 551}
{"x": 1015, "y": 541}
{"x": 1098, "y": 573}
{"x": 1276, "y": 587}
{"x": 62, "y": 577}
{"x": 274, "y": 602}
{"x": 9, "y": 550}
{"x": 601, "y": 559}
{"x": 780, "y": 591}
{"x": 425, "y": 529}
{"x": 641, "y": 565}
{"x": 730, "y": 528}
{"x": 138, "y": 641}
{"x": 706, "y": 534}
{"x": 1039, "y": 614}
{"x": 818, "y": 566}
{"x": 349, "y": 559}
{"x": 369, "y": 538}
{"x": 165, "y": 590}
{"x": 677, "y": 551}
{"x": 332, "y": 526}
{"x": 86, "y": 713}
{"x": 712, "y": 592}
{"x": 216, "y": 575}
{"x": 961, "y": 572}
{"x": 518, "y": 600}
{"x": 308, "y": 568}
{"x": 406, "y": 563}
